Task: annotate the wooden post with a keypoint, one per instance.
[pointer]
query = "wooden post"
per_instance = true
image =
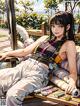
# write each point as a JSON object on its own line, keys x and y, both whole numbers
{"x": 43, "y": 27}
{"x": 8, "y": 18}
{"x": 13, "y": 25}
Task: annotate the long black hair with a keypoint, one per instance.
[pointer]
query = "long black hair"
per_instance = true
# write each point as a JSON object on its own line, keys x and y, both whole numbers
{"x": 64, "y": 19}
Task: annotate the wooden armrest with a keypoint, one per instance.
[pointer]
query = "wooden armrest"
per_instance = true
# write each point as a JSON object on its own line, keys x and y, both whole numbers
{"x": 13, "y": 60}
{"x": 10, "y": 59}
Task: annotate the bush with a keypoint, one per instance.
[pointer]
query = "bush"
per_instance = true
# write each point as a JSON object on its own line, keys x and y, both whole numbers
{"x": 31, "y": 21}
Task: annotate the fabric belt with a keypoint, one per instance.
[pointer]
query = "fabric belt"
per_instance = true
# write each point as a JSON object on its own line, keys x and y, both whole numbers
{"x": 39, "y": 59}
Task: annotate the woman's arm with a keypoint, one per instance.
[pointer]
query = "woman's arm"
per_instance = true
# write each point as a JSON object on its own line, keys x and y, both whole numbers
{"x": 23, "y": 52}
{"x": 71, "y": 55}
{"x": 68, "y": 51}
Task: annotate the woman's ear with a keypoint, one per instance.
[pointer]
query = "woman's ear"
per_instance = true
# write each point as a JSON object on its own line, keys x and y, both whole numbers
{"x": 68, "y": 27}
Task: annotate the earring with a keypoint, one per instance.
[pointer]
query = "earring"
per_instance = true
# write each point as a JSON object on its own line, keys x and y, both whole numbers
{"x": 67, "y": 35}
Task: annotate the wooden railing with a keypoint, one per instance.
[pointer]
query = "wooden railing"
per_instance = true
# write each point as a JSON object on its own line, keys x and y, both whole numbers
{"x": 41, "y": 32}
{"x": 1, "y": 21}
{"x": 44, "y": 31}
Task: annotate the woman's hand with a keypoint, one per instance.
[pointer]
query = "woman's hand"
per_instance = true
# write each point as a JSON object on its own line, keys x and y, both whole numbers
{"x": 3, "y": 56}
{"x": 71, "y": 86}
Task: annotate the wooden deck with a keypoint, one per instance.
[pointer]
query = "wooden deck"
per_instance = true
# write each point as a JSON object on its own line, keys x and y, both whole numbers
{"x": 61, "y": 100}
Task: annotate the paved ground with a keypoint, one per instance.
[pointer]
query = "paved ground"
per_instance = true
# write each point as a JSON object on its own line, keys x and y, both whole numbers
{"x": 4, "y": 31}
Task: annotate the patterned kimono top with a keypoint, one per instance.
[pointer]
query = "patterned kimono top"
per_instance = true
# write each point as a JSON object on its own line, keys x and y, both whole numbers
{"x": 47, "y": 52}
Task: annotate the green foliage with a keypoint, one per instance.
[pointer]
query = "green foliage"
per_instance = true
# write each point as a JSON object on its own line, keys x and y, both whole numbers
{"x": 2, "y": 6}
{"x": 31, "y": 21}
{"x": 3, "y": 25}
{"x": 25, "y": 4}
{"x": 78, "y": 3}
{"x": 27, "y": 18}
{"x": 77, "y": 18}
{"x": 50, "y": 4}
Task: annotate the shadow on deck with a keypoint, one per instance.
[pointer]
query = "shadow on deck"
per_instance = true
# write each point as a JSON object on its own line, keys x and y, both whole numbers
{"x": 38, "y": 102}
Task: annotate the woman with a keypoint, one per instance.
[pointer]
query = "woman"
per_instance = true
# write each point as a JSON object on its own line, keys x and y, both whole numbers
{"x": 63, "y": 29}
{"x": 33, "y": 73}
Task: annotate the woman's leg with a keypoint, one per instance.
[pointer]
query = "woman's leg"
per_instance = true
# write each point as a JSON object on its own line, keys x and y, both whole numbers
{"x": 8, "y": 77}
{"x": 34, "y": 77}
{"x": 22, "y": 88}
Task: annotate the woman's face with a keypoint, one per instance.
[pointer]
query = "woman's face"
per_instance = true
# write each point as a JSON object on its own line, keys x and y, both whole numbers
{"x": 58, "y": 31}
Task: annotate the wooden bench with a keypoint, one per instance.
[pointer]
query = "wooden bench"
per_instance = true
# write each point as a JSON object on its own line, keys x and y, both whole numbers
{"x": 61, "y": 100}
